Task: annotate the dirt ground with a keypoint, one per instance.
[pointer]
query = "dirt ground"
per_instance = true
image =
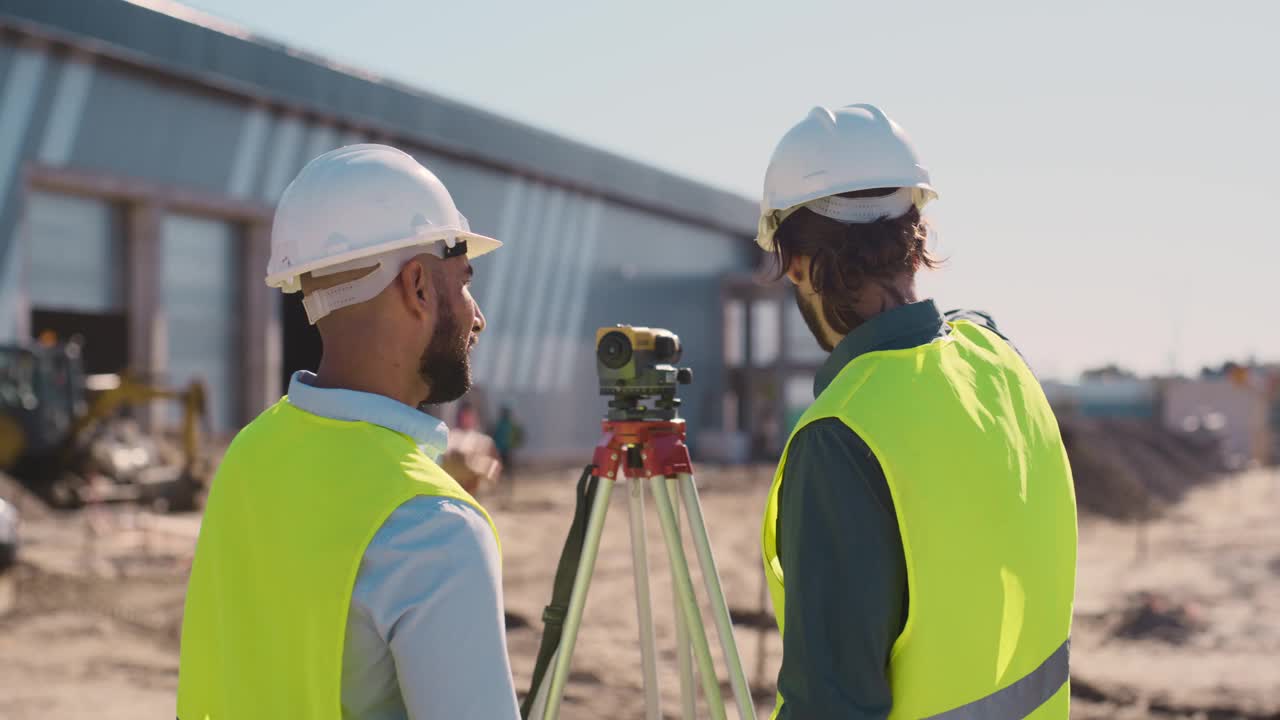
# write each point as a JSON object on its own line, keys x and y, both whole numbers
{"x": 1180, "y": 618}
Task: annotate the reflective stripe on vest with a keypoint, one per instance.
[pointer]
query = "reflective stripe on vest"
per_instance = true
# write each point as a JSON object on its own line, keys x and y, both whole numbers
{"x": 1021, "y": 698}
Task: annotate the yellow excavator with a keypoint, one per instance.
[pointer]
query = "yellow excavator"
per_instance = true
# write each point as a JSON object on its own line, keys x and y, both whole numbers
{"x": 57, "y": 434}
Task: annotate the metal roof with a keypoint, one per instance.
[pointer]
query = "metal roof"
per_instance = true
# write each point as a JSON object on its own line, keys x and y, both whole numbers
{"x": 172, "y": 39}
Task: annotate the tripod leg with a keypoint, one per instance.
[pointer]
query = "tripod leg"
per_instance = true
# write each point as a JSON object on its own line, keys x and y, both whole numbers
{"x": 539, "y": 707}
{"x": 688, "y": 601}
{"x": 715, "y": 594}
{"x": 684, "y": 660}
{"x": 578, "y": 599}
{"x": 640, "y": 567}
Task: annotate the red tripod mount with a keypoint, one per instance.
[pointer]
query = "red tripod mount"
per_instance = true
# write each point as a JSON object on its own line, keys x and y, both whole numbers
{"x": 660, "y": 443}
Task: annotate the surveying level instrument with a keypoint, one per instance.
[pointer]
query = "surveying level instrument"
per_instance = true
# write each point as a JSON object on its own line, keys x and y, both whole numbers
{"x": 642, "y": 443}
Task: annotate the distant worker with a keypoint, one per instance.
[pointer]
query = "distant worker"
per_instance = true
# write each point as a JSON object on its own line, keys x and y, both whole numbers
{"x": 339, "y": 571}
{"x": 472, "y": 456}
{"x": 920, "y": 535}
{"x": 508, "y": 435}
{"x": 8, "y": 535}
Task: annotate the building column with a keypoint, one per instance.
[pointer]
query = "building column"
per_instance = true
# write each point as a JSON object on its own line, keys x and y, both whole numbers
{"x": 15, "y": 283}
{"x": 261, "y": 332}
{"x": 782, "y": 364}
{"x": 146, "y": 317}
{"x": 747, "y": 401}
{"x": 148, "y": 344}
{"x": 728, "y": 420}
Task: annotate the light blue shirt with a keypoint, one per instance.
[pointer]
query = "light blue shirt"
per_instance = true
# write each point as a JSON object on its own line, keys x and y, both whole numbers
{"x": 426, "y": 636}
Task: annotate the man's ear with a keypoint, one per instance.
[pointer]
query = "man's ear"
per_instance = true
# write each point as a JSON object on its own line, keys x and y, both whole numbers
{"x": 414, "y": 280}
{"x": 798, "y": 269}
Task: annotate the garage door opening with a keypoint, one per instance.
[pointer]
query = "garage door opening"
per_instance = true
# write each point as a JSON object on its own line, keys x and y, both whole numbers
{"x": 104, "y": 337}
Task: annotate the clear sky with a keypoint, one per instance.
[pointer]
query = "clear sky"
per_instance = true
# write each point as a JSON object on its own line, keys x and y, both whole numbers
{"x": 1107, "y": 170}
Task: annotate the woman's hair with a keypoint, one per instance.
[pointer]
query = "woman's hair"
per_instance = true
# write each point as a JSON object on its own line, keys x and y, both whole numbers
{"x": 847, "y": 258}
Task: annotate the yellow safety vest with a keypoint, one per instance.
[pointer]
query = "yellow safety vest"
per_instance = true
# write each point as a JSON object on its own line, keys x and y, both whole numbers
{"x": 986, "y": 509}
{"x": 295, "y": 502}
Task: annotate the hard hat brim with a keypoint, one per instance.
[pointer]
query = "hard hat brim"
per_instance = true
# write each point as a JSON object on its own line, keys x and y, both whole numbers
{"x": 290, "y": 280}
{"x": 478, "y": 245}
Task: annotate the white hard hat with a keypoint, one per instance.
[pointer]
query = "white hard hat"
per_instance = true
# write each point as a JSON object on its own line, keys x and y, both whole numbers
{"x": 831, "y": 152}
{"x": 357, "y": 207}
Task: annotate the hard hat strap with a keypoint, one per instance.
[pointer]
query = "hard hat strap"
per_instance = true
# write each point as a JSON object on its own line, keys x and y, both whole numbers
{"x": 459, "y": 247}
{"x": 319, "y": 303}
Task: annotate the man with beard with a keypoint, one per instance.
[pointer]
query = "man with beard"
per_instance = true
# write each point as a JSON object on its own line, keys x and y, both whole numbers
{"x": 919, "y": 539}
{"x": 339, "y": 571}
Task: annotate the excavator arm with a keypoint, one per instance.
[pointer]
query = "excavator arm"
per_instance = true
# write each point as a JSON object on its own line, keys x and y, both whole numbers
{"x": 133, "y": 392}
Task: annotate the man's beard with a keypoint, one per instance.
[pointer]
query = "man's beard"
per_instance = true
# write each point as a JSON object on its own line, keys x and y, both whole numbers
{"x": 446, "y": 363}
{"x": 810, "y": 315}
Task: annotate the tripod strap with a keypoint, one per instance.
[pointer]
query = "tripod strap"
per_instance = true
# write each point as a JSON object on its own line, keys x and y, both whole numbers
{"x": 554, "y": 615}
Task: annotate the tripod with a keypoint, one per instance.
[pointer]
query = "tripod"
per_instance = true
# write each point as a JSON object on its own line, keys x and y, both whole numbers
{"x": 640, "y": 451}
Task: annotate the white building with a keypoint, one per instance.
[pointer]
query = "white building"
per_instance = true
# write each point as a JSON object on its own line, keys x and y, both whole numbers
{"x": 143, "y": 147}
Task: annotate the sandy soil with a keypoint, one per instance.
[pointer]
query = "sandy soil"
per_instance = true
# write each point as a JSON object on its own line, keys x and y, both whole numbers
{"x": 93, "y": 611}
{"x": 1217, "y": 553}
